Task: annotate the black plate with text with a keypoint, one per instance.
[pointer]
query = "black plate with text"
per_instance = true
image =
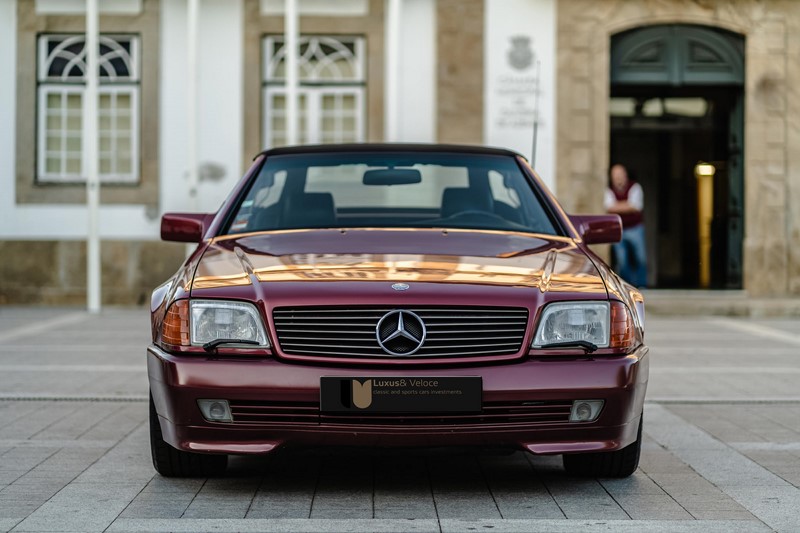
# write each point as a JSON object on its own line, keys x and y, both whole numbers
{"x": 461, "y": 394}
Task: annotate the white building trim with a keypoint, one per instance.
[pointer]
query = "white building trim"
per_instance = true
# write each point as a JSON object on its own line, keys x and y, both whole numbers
{"x": 393, "y": 21}
{"x": 78, "y": 7}
{"x": 328, "y": 8}
{"x": 417, "y": 72}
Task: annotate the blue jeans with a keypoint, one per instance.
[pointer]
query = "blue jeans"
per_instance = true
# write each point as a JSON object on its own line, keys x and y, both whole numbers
{"x": 631, "y": 256}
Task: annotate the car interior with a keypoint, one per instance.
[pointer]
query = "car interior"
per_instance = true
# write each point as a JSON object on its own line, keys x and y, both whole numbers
{"x": 391, "y": 197}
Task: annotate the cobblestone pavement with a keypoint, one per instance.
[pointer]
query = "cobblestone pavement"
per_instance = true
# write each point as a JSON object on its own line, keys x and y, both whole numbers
{"x": 721, "y": 450}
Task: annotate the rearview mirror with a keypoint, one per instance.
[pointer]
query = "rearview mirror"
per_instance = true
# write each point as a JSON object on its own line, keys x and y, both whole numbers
{"x": 392, "y": 176}
{"x": 598, "y": 229}
{"x": 185, "y": 227}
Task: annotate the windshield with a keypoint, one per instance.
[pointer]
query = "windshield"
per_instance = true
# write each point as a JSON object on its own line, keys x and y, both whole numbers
{"x": 391, "y": 190}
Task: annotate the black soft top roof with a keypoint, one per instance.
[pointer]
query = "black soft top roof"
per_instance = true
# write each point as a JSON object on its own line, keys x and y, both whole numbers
{"x": 388, "y": 147}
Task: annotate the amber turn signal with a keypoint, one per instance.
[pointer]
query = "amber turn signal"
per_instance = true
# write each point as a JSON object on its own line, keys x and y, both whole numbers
{"x": 623, "y": 331}
{"x": 175, "y": 330}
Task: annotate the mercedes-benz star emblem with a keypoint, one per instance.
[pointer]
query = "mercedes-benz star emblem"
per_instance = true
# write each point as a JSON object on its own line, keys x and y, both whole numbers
{"x": 401, "y": 286}
{"x": 400, "y": 332}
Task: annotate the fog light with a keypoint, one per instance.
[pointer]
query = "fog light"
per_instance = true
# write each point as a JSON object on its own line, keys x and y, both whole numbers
{"x": 215, "y": 410}
{"x": 585, "y": 410}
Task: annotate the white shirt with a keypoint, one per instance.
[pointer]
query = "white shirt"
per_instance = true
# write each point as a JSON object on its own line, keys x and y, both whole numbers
{"x": 635, "y": 197}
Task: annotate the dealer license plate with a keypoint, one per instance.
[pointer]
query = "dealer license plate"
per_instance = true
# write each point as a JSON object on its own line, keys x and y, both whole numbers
{"x": 460, "y": 394}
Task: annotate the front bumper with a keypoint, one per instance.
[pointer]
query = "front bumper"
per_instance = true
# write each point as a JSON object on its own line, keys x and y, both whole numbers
{"x": 178, "y": 381}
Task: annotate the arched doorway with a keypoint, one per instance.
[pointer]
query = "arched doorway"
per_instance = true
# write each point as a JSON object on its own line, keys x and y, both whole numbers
{"x": 677, "y": 99}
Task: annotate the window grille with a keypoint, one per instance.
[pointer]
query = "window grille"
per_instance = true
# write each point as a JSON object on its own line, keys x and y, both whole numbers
{"x": 61, "y": 75}
{"x": 331, "y": 93}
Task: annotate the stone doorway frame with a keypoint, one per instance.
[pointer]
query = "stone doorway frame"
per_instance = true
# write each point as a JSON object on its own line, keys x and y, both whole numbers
{"x": 657, "y": 61}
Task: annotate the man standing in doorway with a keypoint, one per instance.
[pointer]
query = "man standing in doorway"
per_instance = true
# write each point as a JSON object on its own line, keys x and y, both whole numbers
{"x": 624, "y": 197}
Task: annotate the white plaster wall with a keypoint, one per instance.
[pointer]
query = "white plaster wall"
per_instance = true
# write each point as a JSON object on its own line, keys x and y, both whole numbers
{"x": 172, "y": 114}
{"x": 536, "y": 20}
{"x": 418, "y": 71}
{"x": 220, "y": 96}
{"x": 219, "y": 101}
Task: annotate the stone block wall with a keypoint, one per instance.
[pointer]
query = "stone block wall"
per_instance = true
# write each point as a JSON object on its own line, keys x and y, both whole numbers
{"x": 459, "y": 71}
{"x": 54, "y": 272}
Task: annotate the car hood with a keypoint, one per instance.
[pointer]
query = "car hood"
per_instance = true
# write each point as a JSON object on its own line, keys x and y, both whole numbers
{"x": 432, "y": 256}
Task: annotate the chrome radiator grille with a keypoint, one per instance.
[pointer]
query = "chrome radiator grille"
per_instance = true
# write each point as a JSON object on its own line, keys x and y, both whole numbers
{"x": 351, "y": 331}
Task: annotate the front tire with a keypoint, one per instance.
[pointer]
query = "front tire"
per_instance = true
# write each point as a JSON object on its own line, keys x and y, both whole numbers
{"x": 170, "y": 462}
{"x": 621, "y": 463}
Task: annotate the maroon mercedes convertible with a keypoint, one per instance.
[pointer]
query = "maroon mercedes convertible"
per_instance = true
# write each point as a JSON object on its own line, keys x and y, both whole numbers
{"x": 395, "y": 295}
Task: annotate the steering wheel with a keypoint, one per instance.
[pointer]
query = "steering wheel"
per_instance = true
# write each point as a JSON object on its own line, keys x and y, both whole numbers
{"x": 474, "y": 213}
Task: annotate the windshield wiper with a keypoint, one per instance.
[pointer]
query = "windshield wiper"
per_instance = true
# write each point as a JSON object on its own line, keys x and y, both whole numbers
{"x": 589, "y": 347}
{"x": 212, "y": 345}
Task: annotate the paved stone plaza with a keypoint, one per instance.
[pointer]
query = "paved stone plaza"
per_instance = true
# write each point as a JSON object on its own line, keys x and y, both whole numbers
{"x": 721, "y": 450}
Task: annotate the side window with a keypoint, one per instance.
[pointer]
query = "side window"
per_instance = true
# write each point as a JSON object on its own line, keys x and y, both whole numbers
{"x": 61, "y": 76}
{"x": 331, "y": 95}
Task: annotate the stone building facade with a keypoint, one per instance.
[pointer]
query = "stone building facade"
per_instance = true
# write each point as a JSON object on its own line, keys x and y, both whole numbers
{"x": 771, "y": 115}
{"x": 471, "y": 71}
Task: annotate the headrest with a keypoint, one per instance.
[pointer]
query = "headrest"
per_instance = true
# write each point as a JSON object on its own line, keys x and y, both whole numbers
{"x": 309, "y": 210}
{"x": 457, "y": 199}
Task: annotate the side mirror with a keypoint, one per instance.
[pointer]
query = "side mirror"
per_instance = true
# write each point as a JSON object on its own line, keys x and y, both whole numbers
{"x": 598, "y": 229}
{"x": 184, "y": 227}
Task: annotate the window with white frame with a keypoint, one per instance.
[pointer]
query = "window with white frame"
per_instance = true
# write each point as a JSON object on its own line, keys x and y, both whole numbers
{"x": 62, "y": 83}
{"x": 331, "y": 93}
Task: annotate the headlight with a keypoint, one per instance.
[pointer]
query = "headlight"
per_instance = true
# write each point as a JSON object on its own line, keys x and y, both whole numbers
{"x": 563, "y": 322}
{"x": 218, "y": 319}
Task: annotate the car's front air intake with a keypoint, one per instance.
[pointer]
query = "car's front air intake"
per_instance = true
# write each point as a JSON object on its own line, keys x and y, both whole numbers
{"x": 400, "y": 331}
{"x": 258, "y": 412}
